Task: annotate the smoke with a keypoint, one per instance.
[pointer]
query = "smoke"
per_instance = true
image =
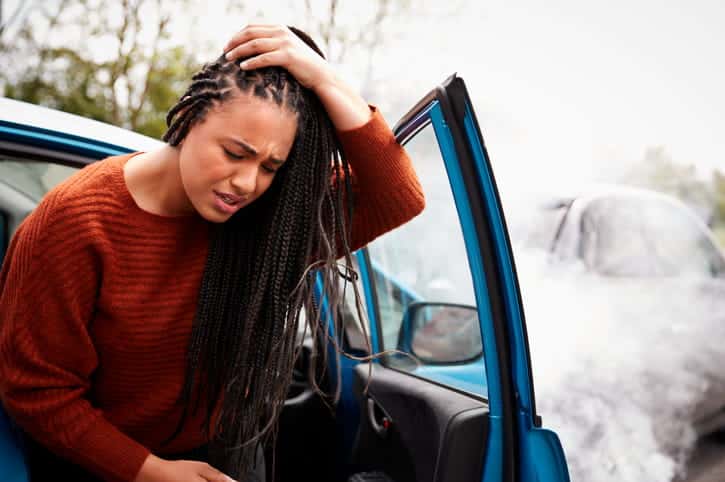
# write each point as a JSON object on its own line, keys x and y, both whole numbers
{"x": 622, "y": 367}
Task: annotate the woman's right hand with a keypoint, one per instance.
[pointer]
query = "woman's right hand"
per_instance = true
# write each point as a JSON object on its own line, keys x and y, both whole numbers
{"x": 155, "y": 469}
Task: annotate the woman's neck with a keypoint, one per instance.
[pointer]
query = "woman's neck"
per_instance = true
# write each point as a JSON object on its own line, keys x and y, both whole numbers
{"x": 154, "y": 181}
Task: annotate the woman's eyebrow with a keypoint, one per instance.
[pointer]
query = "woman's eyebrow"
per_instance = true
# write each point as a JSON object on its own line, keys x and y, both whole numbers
{"x": 251, "y": 150}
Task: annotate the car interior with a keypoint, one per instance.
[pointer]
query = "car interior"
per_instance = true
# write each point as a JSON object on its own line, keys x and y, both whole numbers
{"x": 407, "y": 429}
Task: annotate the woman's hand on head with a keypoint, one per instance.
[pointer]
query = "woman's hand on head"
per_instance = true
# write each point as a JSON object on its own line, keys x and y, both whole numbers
{"x": 277, "y": 45}
{"x": 155, "y": 469}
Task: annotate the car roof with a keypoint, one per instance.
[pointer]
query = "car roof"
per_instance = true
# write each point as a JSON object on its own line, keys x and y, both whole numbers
{"x": 38, "y": 117}
{"x": 591, "y": 191}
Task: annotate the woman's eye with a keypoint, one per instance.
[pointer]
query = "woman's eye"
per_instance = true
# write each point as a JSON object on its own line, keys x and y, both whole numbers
{"x": 269, "y": 169}
{"x": 233, "y": 155}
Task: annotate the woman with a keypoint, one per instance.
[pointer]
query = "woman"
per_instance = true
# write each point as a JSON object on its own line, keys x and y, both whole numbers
{"x": 149, "y": 305}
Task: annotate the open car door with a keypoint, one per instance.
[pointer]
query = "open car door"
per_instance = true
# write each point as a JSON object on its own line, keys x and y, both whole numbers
{"x": 455, "y": 401}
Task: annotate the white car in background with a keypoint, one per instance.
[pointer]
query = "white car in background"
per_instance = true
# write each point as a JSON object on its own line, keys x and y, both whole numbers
{"x": 628, "y": 232}
{"x": 625, "y": 296}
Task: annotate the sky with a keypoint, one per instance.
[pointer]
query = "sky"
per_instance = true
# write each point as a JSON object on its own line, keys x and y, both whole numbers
{"x": 565, "y": 90}
{"x": 581, "y": 88}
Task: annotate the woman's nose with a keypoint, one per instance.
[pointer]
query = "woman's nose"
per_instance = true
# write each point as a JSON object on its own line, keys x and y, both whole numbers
{"x": 244, "y": 180}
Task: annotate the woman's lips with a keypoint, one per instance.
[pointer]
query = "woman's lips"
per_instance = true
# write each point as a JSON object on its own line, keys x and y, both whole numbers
{"x": 227, "y": 203}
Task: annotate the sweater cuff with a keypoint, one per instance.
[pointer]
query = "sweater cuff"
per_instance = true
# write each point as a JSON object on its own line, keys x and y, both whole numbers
{"x": 108, "y": 452}
{"x": 376, "y": 157}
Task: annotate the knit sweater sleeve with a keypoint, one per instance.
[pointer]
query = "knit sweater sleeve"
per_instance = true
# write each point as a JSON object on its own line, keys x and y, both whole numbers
{"x": 48, "y": 288}
{"x": 386, "y": 190}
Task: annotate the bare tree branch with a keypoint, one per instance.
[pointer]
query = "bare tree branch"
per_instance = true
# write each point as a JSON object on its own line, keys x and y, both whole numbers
{"x": 160, "y": 31}
{"x": 13, "y": 17}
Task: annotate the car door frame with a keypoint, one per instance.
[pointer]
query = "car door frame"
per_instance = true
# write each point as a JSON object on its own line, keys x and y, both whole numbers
{"x": 518, "y": 448}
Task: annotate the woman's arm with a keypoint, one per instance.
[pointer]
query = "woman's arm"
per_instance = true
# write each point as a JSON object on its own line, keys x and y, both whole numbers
{"x": 48, "y": 289}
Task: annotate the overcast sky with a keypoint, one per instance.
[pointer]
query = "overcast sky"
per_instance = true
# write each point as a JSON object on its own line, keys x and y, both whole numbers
{"x": 584, "y": 87}
{"x": 563, "y": 88}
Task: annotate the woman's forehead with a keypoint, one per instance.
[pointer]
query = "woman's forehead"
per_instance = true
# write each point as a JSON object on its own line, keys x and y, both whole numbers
{"x": 251, "y": 114}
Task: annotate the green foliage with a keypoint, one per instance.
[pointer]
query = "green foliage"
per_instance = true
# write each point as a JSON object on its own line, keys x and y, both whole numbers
{"x": 167, "y": 81}
{"x": 114, "y": 60}
{"x": 658, "y": 171}
{"x": 133, "y": 85}
{"x": 718, "y": 182}
{"x": 720, "y": 236}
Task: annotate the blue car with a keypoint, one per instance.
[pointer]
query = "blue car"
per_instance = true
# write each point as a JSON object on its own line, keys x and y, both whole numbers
{"x": 452, "y": 396}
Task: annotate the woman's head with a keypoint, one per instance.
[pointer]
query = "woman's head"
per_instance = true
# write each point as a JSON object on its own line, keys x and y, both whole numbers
{"x": 234, "y": 130}
{"x": 257, "y": 277}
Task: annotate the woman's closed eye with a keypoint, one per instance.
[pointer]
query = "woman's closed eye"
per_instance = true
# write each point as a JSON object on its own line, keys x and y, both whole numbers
{"x": 233, "y": 155}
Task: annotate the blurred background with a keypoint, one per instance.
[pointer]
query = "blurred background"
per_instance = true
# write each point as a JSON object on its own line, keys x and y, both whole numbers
{"x": 571, "y": 96}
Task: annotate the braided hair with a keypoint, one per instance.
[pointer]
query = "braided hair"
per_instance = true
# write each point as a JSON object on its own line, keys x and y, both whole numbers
{"x": 261, "y": 267}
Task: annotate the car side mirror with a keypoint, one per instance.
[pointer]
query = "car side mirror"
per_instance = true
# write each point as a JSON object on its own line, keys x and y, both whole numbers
{"x": 441, "y": 333}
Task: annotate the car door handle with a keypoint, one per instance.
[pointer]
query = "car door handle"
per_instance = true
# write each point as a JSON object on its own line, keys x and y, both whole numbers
{"x": 379, "y": 420}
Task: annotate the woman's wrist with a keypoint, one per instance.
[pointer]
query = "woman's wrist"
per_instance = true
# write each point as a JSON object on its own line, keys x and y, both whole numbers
{"x": 150, "y": 469}
{"x": 345, "y": 107}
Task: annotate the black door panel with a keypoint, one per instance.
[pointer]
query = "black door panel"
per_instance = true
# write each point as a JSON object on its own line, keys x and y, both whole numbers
{"x": 432, "y": 433}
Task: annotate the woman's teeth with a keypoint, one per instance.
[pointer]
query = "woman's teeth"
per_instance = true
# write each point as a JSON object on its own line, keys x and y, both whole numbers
{"x": 228, "y": 200}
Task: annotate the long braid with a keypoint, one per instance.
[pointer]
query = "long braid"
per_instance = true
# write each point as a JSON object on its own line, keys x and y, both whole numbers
{"x": 257, "y": 278}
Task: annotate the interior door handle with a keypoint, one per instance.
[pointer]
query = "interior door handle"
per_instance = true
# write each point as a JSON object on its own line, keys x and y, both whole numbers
{"x": 379, "y": 420}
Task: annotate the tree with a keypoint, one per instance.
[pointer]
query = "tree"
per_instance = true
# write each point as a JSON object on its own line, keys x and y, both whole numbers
{"x": 658, "y": 171}
{"x": 351, "y": 32}
{"x": 718, "y": 183}
{"x": 11, "y": 19}
{"x": 111, "y": 66}
{"x": 116, "y": 61}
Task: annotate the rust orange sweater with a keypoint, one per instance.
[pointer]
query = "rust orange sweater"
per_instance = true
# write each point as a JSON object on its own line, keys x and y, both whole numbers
{"x": 97, "y": 299}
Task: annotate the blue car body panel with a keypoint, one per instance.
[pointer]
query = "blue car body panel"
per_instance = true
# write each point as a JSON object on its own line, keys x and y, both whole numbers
{"x": 12, "y": 461}
{"x": 492, "y": 469}
{"x": 538, "y": 452}
{"x": 58, "y": 140}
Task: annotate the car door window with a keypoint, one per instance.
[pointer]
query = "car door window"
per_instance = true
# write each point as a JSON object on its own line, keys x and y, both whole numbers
{"x": 355, "y": 324}
{"x": 423, "y": 286}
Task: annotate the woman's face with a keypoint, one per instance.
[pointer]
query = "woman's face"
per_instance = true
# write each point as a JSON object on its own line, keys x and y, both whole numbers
{"x": 229, "y": 159}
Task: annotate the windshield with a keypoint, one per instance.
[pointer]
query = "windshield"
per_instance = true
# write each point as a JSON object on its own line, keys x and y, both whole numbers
{"x": 628, "y": 236}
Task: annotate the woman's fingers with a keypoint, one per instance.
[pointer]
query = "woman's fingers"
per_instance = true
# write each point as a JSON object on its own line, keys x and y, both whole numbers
{"x": 251, "y": 32}
{"x": 274, "y": 58}
{"x": 255, "y": 46}
{"x": 213, "y": 475}
{"x": 276, "y": 45}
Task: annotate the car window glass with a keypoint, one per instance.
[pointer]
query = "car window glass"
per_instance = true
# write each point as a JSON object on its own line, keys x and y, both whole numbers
{"x": 33, "y": 178}
{"x": 646, "y": 237}
{"x": 423, "y": 283}
{"x": 356, "y": 328}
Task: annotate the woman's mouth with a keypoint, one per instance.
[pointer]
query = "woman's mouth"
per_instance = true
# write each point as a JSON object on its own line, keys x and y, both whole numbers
{"x": 227, "y": 203}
